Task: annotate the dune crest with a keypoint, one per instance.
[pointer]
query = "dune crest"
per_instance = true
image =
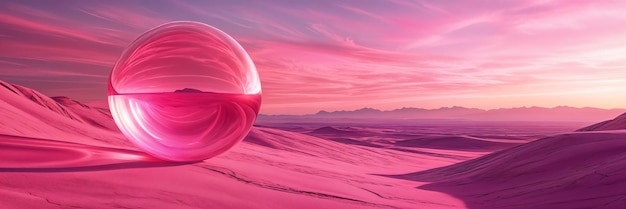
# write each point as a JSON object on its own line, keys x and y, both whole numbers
{"x": 60, "y": 153}
{"x": 617, "y": 123}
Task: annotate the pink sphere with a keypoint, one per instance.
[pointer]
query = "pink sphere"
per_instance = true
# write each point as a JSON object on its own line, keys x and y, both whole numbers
{"x": 184, "y": 91}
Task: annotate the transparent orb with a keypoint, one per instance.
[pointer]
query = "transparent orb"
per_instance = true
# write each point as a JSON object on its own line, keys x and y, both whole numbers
{"x": 184, "y": 91}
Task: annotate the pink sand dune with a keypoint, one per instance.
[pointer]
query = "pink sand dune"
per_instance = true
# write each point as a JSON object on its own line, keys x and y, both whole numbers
{"x": 26, "y": 112}
{"x": 465, "y": 143}
{"x": 58, "y": 153}
{"x": 292, "y": 175}
{"x": 53, "y": 158}
{"x": 574, "y": 170}
{"x": 329, "y": 130}
{"x": 614, "y": 124}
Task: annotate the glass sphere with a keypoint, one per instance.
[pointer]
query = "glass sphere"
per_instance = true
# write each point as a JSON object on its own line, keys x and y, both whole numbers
{"x": 184, "y": 91}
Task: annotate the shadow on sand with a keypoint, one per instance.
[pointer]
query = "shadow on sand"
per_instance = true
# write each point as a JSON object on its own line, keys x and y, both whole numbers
{"x": 582, "y": 170}
{"x": 22, "y": 154}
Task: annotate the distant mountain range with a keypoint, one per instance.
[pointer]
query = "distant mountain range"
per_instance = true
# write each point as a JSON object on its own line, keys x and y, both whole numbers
{"x": 84, "y": 113}
{"x": 560, "y": 113}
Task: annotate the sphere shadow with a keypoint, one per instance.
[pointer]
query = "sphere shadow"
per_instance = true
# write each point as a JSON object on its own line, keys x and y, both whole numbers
{"x": 23, "y": 154}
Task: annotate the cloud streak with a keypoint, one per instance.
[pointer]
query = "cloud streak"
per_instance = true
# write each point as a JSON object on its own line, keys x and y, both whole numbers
{"x": 330, "y": 55}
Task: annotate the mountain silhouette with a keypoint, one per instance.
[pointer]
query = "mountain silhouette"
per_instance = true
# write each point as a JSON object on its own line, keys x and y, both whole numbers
{"x": 188, "y": 90}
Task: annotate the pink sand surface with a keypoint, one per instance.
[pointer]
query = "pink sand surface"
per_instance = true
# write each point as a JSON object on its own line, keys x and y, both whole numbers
{"x": 58, "y": 153}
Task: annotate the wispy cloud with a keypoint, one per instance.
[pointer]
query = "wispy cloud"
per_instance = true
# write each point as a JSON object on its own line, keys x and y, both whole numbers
{"x": 346, "y": 55}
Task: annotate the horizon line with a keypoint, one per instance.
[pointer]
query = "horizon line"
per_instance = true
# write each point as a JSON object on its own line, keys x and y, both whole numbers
{"x": 444, "y": 107}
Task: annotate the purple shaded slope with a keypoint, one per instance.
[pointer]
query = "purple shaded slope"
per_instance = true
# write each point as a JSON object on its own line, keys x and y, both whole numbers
{"x": 615, "y": 124}
{"x": 579, "y": 170}
{"x": 464, "y": 143}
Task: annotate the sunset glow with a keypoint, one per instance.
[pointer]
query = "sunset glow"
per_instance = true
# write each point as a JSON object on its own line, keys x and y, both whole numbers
{"x": 331, "y": 55}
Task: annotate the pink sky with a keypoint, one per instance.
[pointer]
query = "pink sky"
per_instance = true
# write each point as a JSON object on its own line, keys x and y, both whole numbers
{"x": 331, "y": 55}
